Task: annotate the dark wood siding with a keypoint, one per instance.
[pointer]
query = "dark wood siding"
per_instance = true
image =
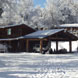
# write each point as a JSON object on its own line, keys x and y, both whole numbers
{"x": 16, "y": 31}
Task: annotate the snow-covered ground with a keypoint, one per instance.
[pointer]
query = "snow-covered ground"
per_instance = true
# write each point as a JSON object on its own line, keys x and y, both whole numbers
{"x": 34, "y": 65}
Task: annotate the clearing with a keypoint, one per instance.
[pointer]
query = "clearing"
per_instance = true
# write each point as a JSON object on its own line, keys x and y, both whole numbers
{"x": 34, "y": 65}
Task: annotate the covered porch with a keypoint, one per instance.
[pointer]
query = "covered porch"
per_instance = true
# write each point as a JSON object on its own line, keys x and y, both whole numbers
{"x": 50, "y": 35}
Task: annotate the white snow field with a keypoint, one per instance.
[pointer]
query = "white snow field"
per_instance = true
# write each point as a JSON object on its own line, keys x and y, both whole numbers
{"x": 35, "y": 65}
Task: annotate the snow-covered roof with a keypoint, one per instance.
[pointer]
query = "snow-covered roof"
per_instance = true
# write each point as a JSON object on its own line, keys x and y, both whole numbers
{"x": 42, "y": 33}
{"x": 6, "y": 26}
{"x": 68, "y": 25}
{"x": 10, "y": 39}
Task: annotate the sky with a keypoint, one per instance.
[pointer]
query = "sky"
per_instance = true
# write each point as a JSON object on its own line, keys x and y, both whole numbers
{"x": 39, "y": 2}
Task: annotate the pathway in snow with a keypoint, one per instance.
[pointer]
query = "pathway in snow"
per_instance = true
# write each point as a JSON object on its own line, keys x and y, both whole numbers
{"x": 30, "y": 65}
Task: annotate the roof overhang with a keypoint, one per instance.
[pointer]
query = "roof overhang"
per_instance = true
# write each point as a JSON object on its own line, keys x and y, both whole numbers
{"x": 54, "y": 35}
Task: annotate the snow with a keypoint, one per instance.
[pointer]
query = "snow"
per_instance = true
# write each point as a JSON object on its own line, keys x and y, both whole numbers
{"x": 69, "y": 25}
{"x": 35, "y": 65}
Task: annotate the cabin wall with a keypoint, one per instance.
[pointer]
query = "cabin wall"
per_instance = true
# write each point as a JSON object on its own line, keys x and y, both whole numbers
{"x": 18, "y": 46}
{"x": 16, "y": 31}
{"x": 13, "y": 46}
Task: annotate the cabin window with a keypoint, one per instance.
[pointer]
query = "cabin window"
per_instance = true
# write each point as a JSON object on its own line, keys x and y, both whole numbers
{"x": 9, "y": 31}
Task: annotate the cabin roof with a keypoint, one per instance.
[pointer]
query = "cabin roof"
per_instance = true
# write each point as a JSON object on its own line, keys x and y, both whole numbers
{"x": 68, "y": 25}
{"x": 42, "y": 33}
{"x": 16, "y": 25}
{"x": 10, "y": 39}
{"x": 60, "y": 35}
{"x": 7, "y": 26}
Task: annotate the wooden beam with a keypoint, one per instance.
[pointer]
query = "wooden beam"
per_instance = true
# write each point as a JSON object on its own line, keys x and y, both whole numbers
{"x": 54, "y": 38}
{"x": 56, "y": 46}
{"x": 9, "y": 43}
{"x": 27, "y": 45}
{"x": 70, "y": 46}
{"x": 41, "y": 43}
{"x": 45, "y": 39}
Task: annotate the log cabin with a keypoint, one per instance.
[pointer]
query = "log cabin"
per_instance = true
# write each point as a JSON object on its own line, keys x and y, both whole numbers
{"x": 9, "y": 37}
{"x": 22, "y": 38}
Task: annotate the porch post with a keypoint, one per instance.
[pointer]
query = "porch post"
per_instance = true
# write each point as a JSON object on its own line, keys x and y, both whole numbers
{"x": 49, "y": 43}
{"x": 27, "y": 45}
{"x": 41, "y": 43}
{"x": 10, "y": 44}
{"x": 70, "y": 46}
{"x": 56, "y": 46}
